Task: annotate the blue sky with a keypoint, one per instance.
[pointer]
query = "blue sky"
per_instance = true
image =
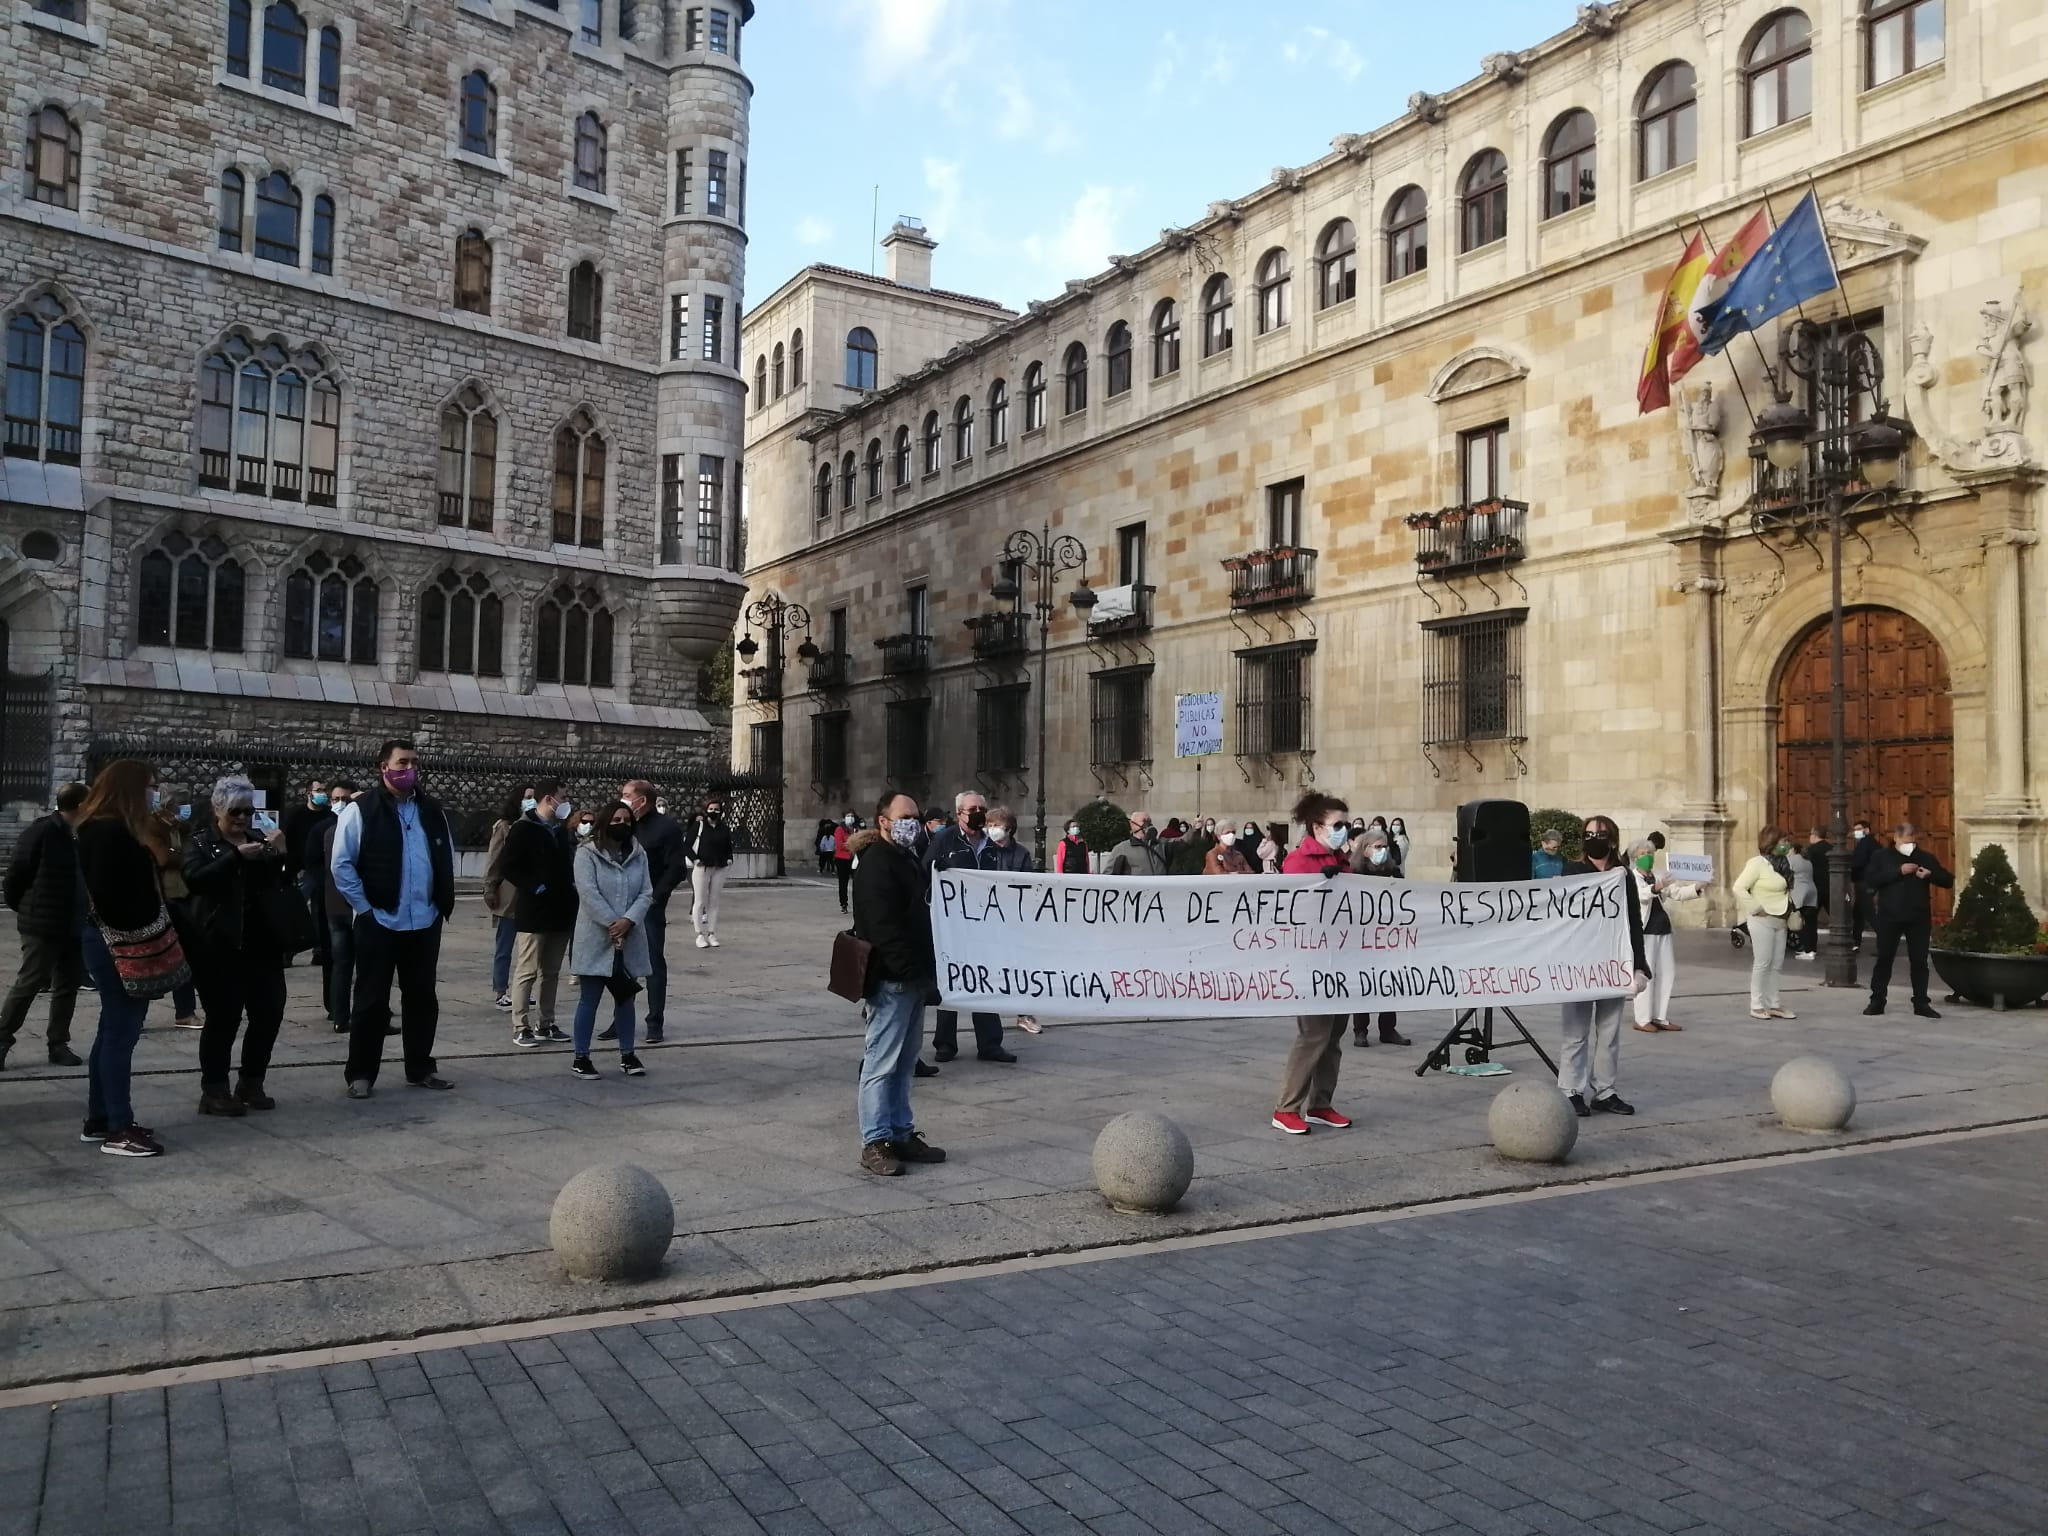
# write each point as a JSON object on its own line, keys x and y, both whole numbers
{"x": 1036, "y": 137}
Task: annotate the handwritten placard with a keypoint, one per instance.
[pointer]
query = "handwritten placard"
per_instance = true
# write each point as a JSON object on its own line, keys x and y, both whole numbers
{"x": 1197, "y": 724}
{"x": 1224, "y": 946}
{"x": 1696, "y": 868}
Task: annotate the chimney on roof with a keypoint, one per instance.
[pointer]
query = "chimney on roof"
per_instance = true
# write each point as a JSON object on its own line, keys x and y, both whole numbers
{"x": 910, "y": 253}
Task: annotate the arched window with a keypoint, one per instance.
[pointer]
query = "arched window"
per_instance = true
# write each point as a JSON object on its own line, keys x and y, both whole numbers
{"x": 284, "y": 48}
{"x": 1165, "y": 339}
{"x": 572, "y": 639}
{"x": 1116, "y": 361}
{"x": 796, "y": 360}
{"x": 269, "y": 424}
{"x": 1667, "y": 121}
{"x": 1901, "y": 36}
{"x": 53, "y": 158}
{"x": 1483, "y": 200}
{"x": 998, "y": 414}
{"x": 1777, "y": 73}
{"x": 849, "y": 479}
{"x": 963, "y": 430}
{"x": 323, "y": 235}
{"x": 1568, "y": 151}
{"x": 469, "y": 462}
{"x": 462, "y": 627}
{"x": 473, "y": 272}
{"x": 899, "y": 457}
{"x": 277, "y": 220}
{"x": 823, "y": 492}
{"x": 479, "y": 115}
{"x": 590, "y": 153}
{"x": 586, "y": 302}
{"x": 45, "y": 384}
{"x": 1407, "y": 233}
{"x": 779, "y": 368}
{"x": 931, "y": 443}
{"x": 1034, "y": 398}
{"x": 191, "y": 594}
{"x": 1075, "y": 372}
{"x": 330, "y": 611}
{"x": 239, "y": 29}
{"x": 874, "y": 468}
{"x": 760, "y": 381}
{"x": 862, "y": 358}
{"x": 1218, "y": 315}
{"x": 579, "y": 483}
{"x": 1275, "y": 284}
{"x": 1337, "y": 265}
{"x": 232, "y": 190}
{"x": 330, "y": 66}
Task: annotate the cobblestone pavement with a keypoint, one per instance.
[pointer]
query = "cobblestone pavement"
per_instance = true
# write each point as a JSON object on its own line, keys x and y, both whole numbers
{"x": 1846, "y": 1345}
{"x": 330, "y": 1220}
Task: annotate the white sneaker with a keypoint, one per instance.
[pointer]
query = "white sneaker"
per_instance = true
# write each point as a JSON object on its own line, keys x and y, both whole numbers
{"x": 703, "y": 942}
{"x": 713, "y": 938}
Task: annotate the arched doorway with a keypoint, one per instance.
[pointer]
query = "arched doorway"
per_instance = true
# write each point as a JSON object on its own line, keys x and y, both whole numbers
{"x": 1900, "y": 734}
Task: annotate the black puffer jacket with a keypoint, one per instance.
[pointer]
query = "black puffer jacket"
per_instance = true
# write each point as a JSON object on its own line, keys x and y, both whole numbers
{"x": 540, "y": 867}
{"x": 225, "y": 887}
{"x": 710, "y": 842}
{"x": 42, "y": 880}
{"x": 890, "y": 911}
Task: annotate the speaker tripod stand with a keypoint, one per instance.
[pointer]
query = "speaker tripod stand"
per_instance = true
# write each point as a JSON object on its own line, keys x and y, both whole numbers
{"x": 1474, "y": 1031}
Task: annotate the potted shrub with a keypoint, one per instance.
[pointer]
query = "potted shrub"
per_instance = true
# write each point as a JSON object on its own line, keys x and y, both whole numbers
{"x": 1422, "y": 520}
{"x": 1429, "y": 559}
{"x": 1991, "y": 952}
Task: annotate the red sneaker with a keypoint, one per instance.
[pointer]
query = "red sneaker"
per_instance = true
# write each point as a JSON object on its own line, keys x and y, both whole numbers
{"x": 1291, "y": 1123}
{"x": 1329, "y": 1117}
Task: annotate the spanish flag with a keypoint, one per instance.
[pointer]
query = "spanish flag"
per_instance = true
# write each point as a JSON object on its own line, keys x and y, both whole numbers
{"x": 1653, "y": 388}
{"x": 1728, "y": 261}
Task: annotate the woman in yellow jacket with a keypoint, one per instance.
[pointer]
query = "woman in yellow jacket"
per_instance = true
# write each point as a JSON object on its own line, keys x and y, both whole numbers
{"x": 1763, "y": 894}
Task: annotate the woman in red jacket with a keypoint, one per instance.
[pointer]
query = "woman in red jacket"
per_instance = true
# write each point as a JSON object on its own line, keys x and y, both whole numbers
{"x": 842, "y": 853}
{"x": 1310, "y": 1081}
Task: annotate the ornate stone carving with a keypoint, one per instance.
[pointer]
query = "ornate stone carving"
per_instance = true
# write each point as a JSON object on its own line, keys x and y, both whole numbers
{"x": 1598, "y": 18}
{"x": 1353, "y": 146}
{"x": 2007, "y": 377}
{"x": 1288, "y": 179}
{"x": 1861, "y": 235}
{"x": 1507, "y": 67}
{"x": 1125, "y": 264}
{"x": 2002, "y": 401}
{"x": 1700, "y": 418}
{"x": 1226, "y": 209}
{"x": 1176, "y": 239}
{"x": 1427, "y": 107}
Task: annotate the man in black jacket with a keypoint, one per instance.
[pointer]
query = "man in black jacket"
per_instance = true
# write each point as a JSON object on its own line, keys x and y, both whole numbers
{"x": 540, "y": 868}
{"x": 966, "y": 845}
{"x": 43, "y": 889}
{"x": 662, "y": 840}
{"x": 1898, "y": 878}
{"x": 1861, "y": 846}
{"x": 890, "y": 912}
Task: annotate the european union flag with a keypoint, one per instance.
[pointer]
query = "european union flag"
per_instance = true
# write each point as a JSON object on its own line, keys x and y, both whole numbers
{"x": 1790, "y": 267}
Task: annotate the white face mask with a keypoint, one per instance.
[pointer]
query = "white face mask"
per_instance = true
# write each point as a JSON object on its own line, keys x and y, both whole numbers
{"x": 999, "y": 834}
{"x": 852, "y": 821}
{"x": 1904, "y": 847}
{"x": 585, "y": 830}
{"x": 904, "y": 830}
{"x": 1073, "y": 831}
{"x": 1377, "y": 855}
{"x": 1229, "y": 839}
{"x": 1859, "y": 834}
{"x": 1336, "y": 836}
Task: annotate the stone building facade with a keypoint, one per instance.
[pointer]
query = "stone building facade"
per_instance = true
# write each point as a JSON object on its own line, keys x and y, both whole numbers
{"x": 373, "y": 370}
{"x": 1360, "y": 452}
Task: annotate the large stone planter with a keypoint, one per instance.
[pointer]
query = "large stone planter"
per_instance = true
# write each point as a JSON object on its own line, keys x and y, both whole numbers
{"x": 1993, "y": 981}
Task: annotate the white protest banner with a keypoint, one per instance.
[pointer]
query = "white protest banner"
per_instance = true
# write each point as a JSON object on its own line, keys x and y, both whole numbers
{"x": 1698, "y": 868}
{"x": 1197, "y": 724}
{"x": 1229, "y": 946}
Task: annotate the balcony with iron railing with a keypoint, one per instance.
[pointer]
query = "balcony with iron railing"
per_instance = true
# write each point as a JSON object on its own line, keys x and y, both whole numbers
{"x": 905, "y": 654}
{"x": 1270, "y": 578}
{"x": 764, "y": 684}
{"x": 1125, "y": 610}
{"x": 1485, "y": 535}
{"x": 830, "y": 669}
{"x": 1001, "y": 633}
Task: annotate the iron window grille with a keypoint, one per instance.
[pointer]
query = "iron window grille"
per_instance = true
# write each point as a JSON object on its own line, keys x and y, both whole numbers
{"x": 1121, "y": 717}
{"x": 1472, "y": 679}
{"x": 999, "y": 728}
{"x": 909, "y": 741}
{"x": 1274, "y": 714}
{"x": 830, "y": 737}
{"x": 764, "y": 746}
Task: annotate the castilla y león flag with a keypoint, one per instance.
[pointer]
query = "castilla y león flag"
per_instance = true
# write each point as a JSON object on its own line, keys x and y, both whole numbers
{"x": 1728, "y": 261}
{"x": 1653, "y": 388}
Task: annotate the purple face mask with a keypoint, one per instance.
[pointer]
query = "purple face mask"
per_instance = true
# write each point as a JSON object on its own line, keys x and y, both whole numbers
{"x": 402, "y": 781}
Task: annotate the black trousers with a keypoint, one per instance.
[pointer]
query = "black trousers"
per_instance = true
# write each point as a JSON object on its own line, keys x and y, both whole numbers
{"x": 1915, "y": 935}
{"x": 1362, "y": 1022}
{"x": 988, "y": 1031}
{"x": 230, "y": 986}
{"x": 845, "y": 880}
{"x": 413, "y": 959}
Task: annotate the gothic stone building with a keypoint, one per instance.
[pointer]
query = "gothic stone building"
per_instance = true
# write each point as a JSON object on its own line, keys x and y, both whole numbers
{"x": 1359, "y": 451}
{"x": 372, "y": 369}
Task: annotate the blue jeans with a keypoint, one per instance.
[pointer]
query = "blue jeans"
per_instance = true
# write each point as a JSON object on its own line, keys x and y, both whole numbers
{"x": 341, "y": 966}
{"x": 501, "y": 955}
{"x": 113, "y": 1046}
{"x": 590, "y": 989}
{"x": 655, "y": 926}
{"x": 895, "y": 1036}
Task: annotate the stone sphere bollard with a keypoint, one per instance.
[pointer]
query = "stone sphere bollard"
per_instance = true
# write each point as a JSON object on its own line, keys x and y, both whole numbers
{"x": 1811, "y": 1093}
{"x": 1531, "y": 1121}
{"x": 612, "y": 1222}
{"x": 1143, "y": 1162}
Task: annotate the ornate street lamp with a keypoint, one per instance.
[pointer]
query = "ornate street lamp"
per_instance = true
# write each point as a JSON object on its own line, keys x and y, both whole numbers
{"x": 1823, "y": 462}
{"x": 1044, "y": 558}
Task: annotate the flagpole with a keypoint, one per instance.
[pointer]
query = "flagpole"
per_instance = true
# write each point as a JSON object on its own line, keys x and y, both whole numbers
{"x": 1770, "y": 374}
{"x": 1848, "y": 309}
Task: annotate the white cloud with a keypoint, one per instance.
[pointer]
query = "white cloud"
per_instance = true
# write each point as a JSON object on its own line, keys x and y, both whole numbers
{"x": 1167, "y": 60}
{"x": 1319, "y": 45}
{"x": 812, "y": 230}
{"x": 898, "y": 35}
{"x": 942, "y": 180}
{"x": 1222, "y": 63}
{"x": 1082, "y": 244}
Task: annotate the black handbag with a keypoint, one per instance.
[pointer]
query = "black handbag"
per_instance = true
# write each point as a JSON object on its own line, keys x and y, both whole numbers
{"x": 285, "y": 915}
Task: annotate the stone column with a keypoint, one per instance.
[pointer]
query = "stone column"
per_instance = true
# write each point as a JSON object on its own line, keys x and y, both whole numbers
{"x": 2006, "y": 789}
{"x": 1702, "y": 822}
{"x": 2008, "y": 812}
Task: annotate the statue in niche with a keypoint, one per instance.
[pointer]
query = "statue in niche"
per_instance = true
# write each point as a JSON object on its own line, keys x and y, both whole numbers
{"x": 2007, "y": 378}
{"x": 2002, "y": 406}
{"x": 1700, "y": 417}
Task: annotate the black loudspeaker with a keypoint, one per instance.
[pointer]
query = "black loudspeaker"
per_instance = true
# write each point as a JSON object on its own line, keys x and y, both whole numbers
{"x": 1493, "y": 840}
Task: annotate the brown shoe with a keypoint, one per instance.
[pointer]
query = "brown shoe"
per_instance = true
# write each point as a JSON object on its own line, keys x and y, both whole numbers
{"x": 250, "y": 1091}
{"x": 880, "y": 1159}
{"x": 220, "y": 1102}
{"x": 915, "y": 1149}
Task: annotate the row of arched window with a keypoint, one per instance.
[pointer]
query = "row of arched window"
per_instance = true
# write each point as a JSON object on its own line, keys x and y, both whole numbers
{"x": 276, "y": 46}
{"x": 477, "y": 134}
{"x": 779, "y": 372}
{"x": 265, "y": 217}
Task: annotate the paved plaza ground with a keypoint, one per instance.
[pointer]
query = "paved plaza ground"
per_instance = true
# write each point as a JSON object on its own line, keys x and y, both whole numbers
{"x": 1840, "y": 1344}
{"x": 329, "y": 1221}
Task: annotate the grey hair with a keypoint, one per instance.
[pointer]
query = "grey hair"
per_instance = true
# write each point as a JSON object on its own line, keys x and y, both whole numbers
{"x": 228, "y": 791}
{"x": 960, "y": 800}
{"x": 1372, "y": 837}
{"x": 1004, "y": 815}
{"x": 1640, "y": 846}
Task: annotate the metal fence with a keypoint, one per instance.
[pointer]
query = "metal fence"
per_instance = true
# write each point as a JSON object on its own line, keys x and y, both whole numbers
{"x": 472, "y": 788}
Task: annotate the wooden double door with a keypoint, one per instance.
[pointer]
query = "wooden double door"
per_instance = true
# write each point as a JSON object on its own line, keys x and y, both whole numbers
{"x": 1899, "y": 732}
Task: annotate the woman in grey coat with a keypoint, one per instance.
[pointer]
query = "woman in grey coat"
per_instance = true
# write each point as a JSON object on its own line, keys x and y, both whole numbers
{"x": 608, "y": 951}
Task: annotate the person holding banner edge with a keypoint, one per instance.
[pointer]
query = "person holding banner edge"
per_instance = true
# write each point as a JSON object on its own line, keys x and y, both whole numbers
{"x": 891, "y": 912}
{"x": 1309, "y": 1082}
{"x": 1590, "y": 1059}
{"x": 1375, "y": 854}
{"x": 967, "y": 844}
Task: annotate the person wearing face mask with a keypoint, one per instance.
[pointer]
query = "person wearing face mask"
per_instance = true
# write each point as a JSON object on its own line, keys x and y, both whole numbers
{"x": 708, "y": 847}
{"x": 1397, "y": 834}
{"x": 539, "y": 867}
{"x": 1373, "y": 853}
{"x": 891, "y": 912}
{"x": 1763, "y": 895}
{"x": 173, "y": 812}
{"x": 970, "y": 843}
{"x": 42, "y": 889}
{"x": 825, "y": 843}
{"x": 1547, "y": 861}
{"x": 1900, "y": 877}
{"x": 615, "y": 892}
{"x": 1070, "y": 855}
{"x": 1800, "y": 935}
{"x": 1309, "y": 1083}
{"x": 394, "y": 863}
{"x": 339, "y": 921}
{"x": 1227, "y": 857}
{"x": 1589, "y": 1063}
{"x": 842, "y": 855}
{"x": 1268, "y": 845}
{"x": 1863, "y": 847}
{"x": 667, "y": 869}
{"x": 1653, "y": 1003}
{"x": 1138, "y": 854}
{"x": 498, "y": 896}
{"x": 302, "y": 826}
